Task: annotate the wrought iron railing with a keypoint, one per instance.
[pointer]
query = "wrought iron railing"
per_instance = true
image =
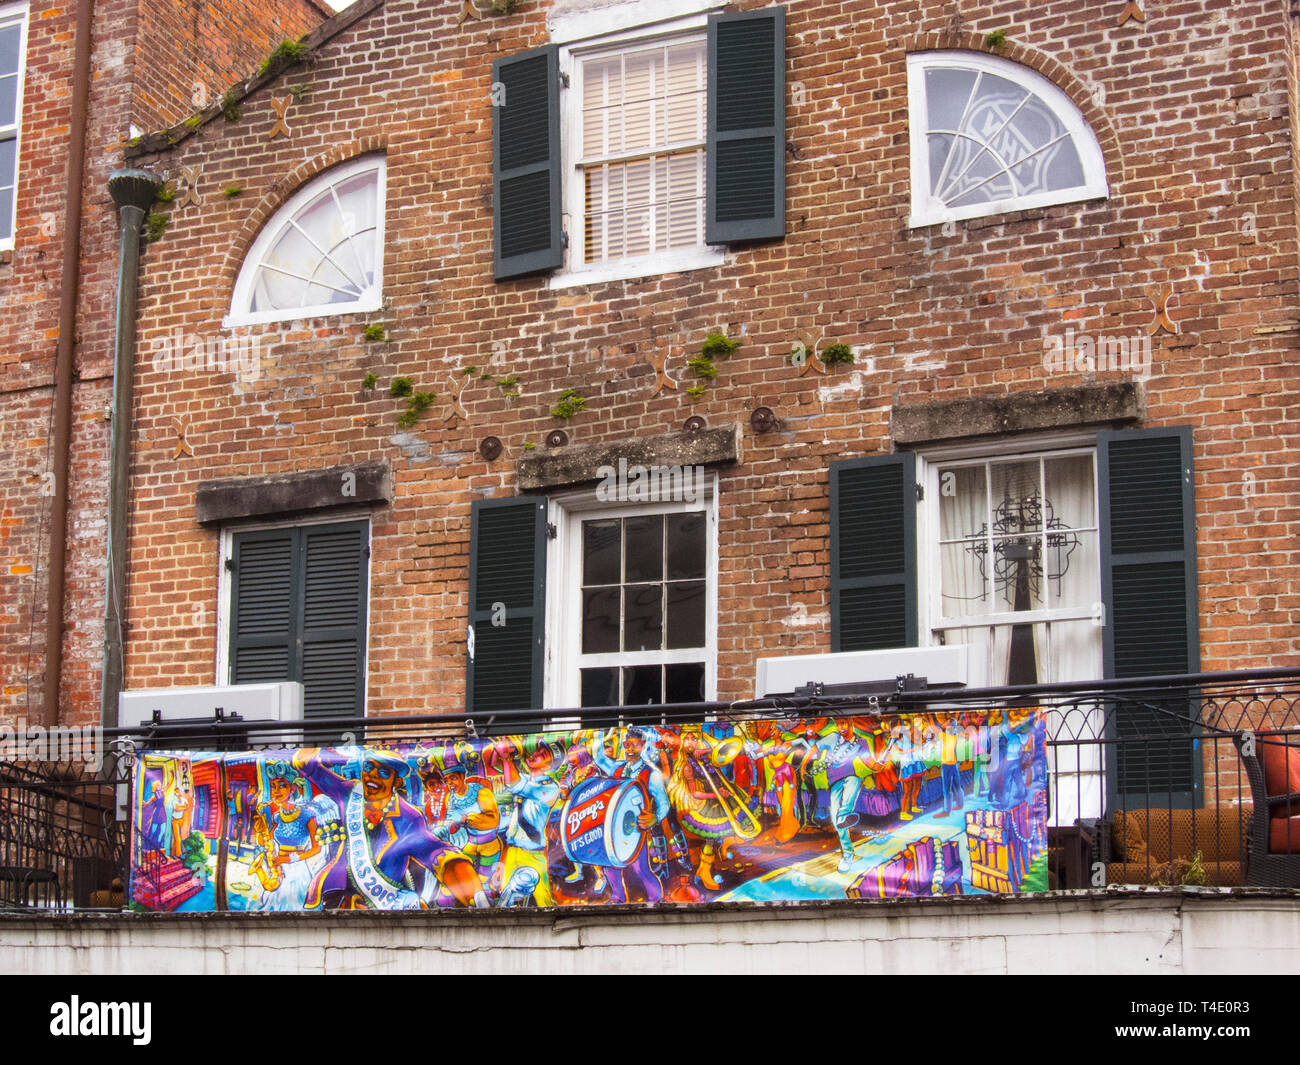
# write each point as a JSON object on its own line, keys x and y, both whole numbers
{"x": 1151, "y": 780}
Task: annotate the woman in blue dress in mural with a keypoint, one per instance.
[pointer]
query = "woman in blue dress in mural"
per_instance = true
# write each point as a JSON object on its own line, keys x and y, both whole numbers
{"x": 293, "y": 839}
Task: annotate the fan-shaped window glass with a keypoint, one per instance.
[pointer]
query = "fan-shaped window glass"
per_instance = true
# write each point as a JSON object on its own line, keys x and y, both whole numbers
{"x": 990, "y": 136}
{"x": 322, "y": 252}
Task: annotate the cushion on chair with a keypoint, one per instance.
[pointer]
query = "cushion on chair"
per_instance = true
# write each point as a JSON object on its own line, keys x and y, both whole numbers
{"x": 1281, "y": 766}
{"x": 1284, "y": 835}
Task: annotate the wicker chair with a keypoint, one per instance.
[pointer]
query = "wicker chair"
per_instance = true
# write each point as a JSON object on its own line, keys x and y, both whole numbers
{"x": 1273, "y": 837}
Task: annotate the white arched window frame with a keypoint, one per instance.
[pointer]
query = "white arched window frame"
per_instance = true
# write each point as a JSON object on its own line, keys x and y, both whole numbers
{"x": 981, "y": 158}
{"x": 338, "y": 255}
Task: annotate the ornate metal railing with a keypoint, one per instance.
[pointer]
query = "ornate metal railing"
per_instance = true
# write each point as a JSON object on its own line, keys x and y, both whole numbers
{"x": 1149, "y": 779}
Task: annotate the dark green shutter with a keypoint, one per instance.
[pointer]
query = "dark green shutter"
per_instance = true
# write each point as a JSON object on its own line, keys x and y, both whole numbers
{"x": 746, "y": 126}
{"x": 873, "y": 553}
{"x": 263, "y": 606}
{"x": 1148, "y": 587}
{"x": 526, "y": 162}
{"x": 334, "y": 619}
{"x": 507, "y": 584}
{"x": 298, "y": 612}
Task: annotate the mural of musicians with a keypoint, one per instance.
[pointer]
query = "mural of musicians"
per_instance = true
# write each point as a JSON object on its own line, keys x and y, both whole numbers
{"x": 385, "y": 836}
{"x": 469, "y": 818}
{"x": 524, "y": 871}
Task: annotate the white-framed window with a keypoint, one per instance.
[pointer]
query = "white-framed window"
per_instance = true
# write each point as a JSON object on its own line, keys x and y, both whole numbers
{"x": 320, "y": 253}
{"x": 634, "y": 125}
{"x": 633, "y": 617}
{"x": 293, "y": 604}
{"x": 13, "y": 62}
{"x": 989, "y": 136}
{"x": 1011, "y": 567}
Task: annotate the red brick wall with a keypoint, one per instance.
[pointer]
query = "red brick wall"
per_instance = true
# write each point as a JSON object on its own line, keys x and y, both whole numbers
{"x": 30, "y": 278}
{"x": 1191, "y": 111}
{"x": 188, "y": 52}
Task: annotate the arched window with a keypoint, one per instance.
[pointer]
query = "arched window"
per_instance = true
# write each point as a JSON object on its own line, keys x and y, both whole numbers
{"x": 989, "y": 136}
{"x": 321, "y": 253}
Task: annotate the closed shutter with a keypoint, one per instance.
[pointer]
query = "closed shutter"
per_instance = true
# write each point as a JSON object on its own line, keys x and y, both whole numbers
{"x": 263, "y": 606}
{"x": 507, "y": 605}
{"x": 746, "y": 126}
{"x": 873, "y": 553}
{"x": 1148, "y": 574}
{"x": 334, "y": 619}
{"x": 526, "y": 162}
{"x": 298, "y": 612}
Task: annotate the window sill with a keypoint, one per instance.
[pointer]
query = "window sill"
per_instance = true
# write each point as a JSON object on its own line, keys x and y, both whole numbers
{"x": 937, "y": 214}
{"x": 365, "y": 306}
{"x": 671, "y": 263}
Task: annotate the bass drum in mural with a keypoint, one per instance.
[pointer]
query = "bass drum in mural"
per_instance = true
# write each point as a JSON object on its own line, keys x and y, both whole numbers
{"x": 778, "y": 809}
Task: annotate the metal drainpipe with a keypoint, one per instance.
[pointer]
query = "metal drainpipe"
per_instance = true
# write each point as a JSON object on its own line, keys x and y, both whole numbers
{"x": 133, "y": 191}
{"x": 63, "y": 364}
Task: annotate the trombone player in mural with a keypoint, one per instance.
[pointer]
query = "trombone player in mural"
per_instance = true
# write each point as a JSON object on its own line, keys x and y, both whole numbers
{"x": 708, "y": 804}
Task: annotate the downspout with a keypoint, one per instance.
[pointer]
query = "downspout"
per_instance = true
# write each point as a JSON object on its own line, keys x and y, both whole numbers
{"x": 56, "y": 577}
{"x": 133, "y": 191}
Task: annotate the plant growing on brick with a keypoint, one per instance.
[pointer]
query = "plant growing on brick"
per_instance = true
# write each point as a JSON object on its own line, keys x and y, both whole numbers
{"x": 696, "y": 391}
{"x": 528, "y": 445}
{"x": 416, "y": 405}
{"x": 507, "y": 385}
{"x": 369, "y": 381}
{"x": 154, "y": 227}
{"x": 569, "y": 404}
{"x": 193, "y": 121}
{"x": 375, "y": 332}
{"x": 230, "y": 106}
{"x": 835, "y": 354}
{"x": 166, "y": 194}
{"x": 703, "y": 367}
{"x": 995, "y": 40}
{"x": 286, "y": 54}
{"x": 231, "y": 191}
{"x": 718, "y": 346}
{"x": 298, "y": 91}
{"x": 400, "y": 386}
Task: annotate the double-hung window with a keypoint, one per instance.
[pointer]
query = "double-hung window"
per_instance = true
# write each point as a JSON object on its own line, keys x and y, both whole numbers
{"x": 1069, "y": 564}
{"x": 622, "y": 153}
{"x": 13, "y": 49}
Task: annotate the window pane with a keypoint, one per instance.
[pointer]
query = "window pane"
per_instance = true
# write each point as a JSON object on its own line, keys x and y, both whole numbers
{"x": 642, "y": 685}
{"x": 1070, "y": 491}
{"x": 6, "y": 212}
{"x": 685, "y": 545}
{"x": 644, "y": 621}
{"x": 601, "y": 551}
{"x": 1016, "y": 497}
{"x": 947, "y": 92}
{"x": 599, "y": 620}
{"x": 600, "y": 687}
{"x": 645, "y": 551}
{"x": 686, "y": 614}
{"x": 963, "y": 502}
{"x": 963, "y": 584}
{"x": 9, "y": 100}
{"x": 684, "y": 683}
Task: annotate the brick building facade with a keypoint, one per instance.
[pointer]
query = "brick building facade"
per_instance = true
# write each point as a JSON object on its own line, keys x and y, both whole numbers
{"x": 149, "y": 61}
{"x": 958, "y": 313}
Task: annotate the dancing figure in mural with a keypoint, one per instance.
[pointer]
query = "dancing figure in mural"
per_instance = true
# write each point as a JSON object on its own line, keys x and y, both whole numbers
{"x": 524, "y": 872}
{"x": 289, "y": 840}
{"x": 385, "y": 836}
{"x": 470, "y": 819}
{"x": 775, "y": 750}
{"x": 843, "y": 758}
{"x": 180, "y": 806}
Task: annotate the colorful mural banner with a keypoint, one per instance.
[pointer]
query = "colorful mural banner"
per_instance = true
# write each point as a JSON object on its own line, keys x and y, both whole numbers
{"x": 783, "y": 809}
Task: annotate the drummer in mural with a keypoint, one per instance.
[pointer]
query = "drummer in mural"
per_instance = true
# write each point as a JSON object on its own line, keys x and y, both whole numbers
{"x": 386, "y": 835}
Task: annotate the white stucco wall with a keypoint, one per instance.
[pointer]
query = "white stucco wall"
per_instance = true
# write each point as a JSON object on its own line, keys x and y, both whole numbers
{"x": 1115, "y": 931}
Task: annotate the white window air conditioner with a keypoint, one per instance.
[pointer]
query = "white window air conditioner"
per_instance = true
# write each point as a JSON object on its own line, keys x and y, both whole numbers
{"x": 940, "y": 666}
{"x": 237, "y": 704}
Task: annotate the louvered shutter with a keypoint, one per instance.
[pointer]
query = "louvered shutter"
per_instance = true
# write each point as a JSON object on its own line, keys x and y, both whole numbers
{"x": 507, "y": 604}
{"x": 1148, "y": 574}
{"x": 263, "y": 606}
{"x": 334, "y": 619}
{"x": 298, "y": 612}
{"x": 873, "y": 553}
{"x": 526, "y": 162}
{"x": 746, "y": 126}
